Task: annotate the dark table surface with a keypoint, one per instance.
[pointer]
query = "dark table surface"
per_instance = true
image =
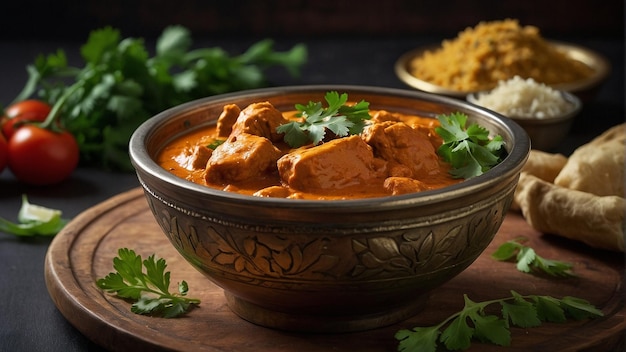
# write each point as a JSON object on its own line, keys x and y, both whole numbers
{"x": 29, "y": 320}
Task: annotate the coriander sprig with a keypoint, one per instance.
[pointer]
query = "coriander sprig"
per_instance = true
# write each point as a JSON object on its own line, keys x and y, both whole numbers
{"x": 339, "y": 118}
{"x": 529, "y": 261}
{"x": 150, "y": 290}
{"x": 472, "y": 322}
{"x": 120, "y": 82}
{"x": 469, "y": 150}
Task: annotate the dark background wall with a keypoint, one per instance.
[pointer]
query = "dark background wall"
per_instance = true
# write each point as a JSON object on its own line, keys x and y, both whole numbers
{"x": 63, "y": 19}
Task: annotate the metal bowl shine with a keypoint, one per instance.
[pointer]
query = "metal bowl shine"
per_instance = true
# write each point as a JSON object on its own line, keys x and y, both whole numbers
{"x": 327, "y": 266}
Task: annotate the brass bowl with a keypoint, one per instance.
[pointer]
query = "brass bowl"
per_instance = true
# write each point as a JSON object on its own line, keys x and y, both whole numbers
{"x": 585, "y": 89}
{"x": 327, "y": 266}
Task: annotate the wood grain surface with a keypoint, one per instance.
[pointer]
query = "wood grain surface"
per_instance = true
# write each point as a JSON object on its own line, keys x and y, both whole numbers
{"x": 84, "y": 250}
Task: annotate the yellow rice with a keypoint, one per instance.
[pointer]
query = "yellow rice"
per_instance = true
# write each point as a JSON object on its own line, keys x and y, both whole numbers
{"x": 478, "y": 58}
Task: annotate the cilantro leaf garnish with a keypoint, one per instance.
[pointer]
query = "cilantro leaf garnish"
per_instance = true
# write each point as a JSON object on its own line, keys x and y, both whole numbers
{"x": 339, "y": 118}
{"x": 472, "y": 321}
{"x": 149, "y": 289}
{"x": 469, "y": 150}
{"x": 216, "y": 143}
{"x": 529, "y": 261}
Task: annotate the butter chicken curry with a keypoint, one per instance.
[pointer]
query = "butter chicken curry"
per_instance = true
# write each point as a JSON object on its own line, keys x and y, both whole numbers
{"x": 394, "y": 154}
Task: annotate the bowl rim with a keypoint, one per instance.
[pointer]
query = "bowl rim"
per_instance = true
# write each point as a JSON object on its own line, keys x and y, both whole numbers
{"x": 587, "y": 56}
{"x": 512, "y": 164}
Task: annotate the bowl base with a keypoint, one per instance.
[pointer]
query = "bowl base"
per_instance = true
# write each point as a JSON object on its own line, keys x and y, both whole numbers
{"x": 323, "y": 323}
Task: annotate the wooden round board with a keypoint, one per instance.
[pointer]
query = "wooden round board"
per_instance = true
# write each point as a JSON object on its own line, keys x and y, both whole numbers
{"x": 83, "y": 252}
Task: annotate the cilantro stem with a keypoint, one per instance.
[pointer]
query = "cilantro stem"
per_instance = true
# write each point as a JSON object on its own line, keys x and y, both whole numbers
{"x": 145, "y": 287}
{"x": 35, "y": 77}
{"x": 48, "y": 123}
{"x": 470, "y": 306}
{"x": 31, "y": 85}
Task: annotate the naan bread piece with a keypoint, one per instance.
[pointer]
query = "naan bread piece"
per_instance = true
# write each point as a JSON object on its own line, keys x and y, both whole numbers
{"x": 543, "y": 165}
{"x": 598, "y": 166}
{"x": 595, "y": 220}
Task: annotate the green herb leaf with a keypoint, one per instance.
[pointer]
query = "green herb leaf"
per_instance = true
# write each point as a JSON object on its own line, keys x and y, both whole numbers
{"x": 418, "y": 339}
{"x": 458, "y": 335}
{"x": 529, "y": 261}
{"x": 339, "y": 118}
{"x": 120, "y": 85}
{"x": 489, "y": 328}
{"x": 149, "y": 289}
{"x": 579, "y": 308}
{"x": 517, "y": 310}
{"x": 469, "y": 150}
{"x": 34, "y": 220}
{"x": 216, "y": 143}
{"x": 520, "y": 312}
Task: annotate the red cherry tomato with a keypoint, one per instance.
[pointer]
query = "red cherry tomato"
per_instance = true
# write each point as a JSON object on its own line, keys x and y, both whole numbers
{"x": 24, "y": 111}
{"x": 40, "y": 156}
{"x": 4, "y": 153}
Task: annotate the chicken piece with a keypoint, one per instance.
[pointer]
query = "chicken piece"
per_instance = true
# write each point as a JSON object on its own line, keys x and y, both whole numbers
{"x": 194, "y": 158}
{"x": 384, "y": 116}
{"x": 403, "y": 185}
{"x": 240, "y": 158}
{"x": 260, "y": 119}
{"x": 399, "y": 144}
{"x": 336, "y": 164}
{"x": 227, "y": 119}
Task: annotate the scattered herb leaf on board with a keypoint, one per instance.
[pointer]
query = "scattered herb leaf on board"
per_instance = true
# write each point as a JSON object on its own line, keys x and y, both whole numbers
{"x": 469, "y": 150}
{"x": 339, "y": 118}
{"x": 474, "y": 323}
{"x": 529, "y": 261}
{"x": 149, "y": 289}
{"x": 34, "y": 220}
{"x": 121, "y": 84}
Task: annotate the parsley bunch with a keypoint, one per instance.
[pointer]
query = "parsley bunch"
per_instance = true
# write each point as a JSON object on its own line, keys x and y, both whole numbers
{"x": 339, "y": 118}
{"x": 473, "y": 322}
{"x": 529, "y": 261}
{"x": 122, "y": 84}
{"x": 150, "y": 290}
{"x": 469, "y": 149}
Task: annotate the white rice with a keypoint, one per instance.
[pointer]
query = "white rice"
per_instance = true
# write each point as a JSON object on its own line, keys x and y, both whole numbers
{"x": 523, "y": 98}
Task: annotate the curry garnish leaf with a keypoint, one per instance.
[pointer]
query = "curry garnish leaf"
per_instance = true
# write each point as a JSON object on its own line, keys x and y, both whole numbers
{"x": 338, "y": 117}
{"x": 529, "y": 261}
{"x": 469, "y": 150}
{"x": 473, "y": 322}
{"x": 215, "y": 143}
{"x": 149, "y": 288}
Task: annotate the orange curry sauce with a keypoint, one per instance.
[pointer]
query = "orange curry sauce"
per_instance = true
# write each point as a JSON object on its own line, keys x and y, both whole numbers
{"x": 399, "y": 157}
